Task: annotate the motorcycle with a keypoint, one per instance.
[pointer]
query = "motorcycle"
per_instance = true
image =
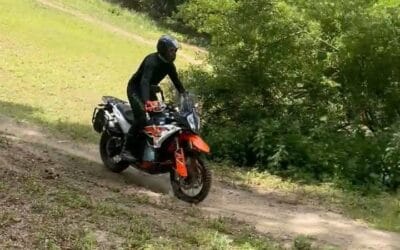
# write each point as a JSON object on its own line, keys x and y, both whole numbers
{"x": 170, "y": 143}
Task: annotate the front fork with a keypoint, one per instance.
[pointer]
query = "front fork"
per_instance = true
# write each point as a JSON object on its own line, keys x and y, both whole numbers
{"x": 180, "y": 161}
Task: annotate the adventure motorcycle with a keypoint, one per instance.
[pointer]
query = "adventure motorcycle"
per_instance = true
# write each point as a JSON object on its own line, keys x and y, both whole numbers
{"x": 170, "y": 143}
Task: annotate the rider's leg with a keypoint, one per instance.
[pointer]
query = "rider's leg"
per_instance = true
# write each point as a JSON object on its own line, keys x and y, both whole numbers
{"x": 131, "y": 146}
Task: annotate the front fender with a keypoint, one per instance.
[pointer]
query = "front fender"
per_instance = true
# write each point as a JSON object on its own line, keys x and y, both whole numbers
{"x": 196, "y": 142}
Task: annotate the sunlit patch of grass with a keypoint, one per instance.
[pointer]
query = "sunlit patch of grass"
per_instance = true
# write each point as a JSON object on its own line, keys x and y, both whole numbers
{"x": 129, "y": 20}
{"x": 250, "y": 178}
{"x": 85, "y": 240}
{"x": 53, "y": 236}
{"x": 8, "y": 218}
{"x": 381, "y": 210}
{"x": 110, "y": 210}
{"x": 43, "y": 241}
{"x": 248, "y": 240}
{"x": 33, "y": 186}
{"x": 138, "y": 232}
{"x": 113, "y": 13}
{"x": 72, "y": 199}
{"x": 54, "y": 67}
{"x": 389, "y": 3}
{"x": 230, "y": 237}
{"x": 302, "y": 242}
{"x": 220, "y": 224}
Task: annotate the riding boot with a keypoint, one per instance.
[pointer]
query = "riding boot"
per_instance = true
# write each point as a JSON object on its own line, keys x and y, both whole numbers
{"x": 127, "y": 147}
{"x": 132, "y": 148}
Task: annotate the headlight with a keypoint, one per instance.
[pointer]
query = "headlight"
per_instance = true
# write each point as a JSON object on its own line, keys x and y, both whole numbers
{"x": 191, "y": 121}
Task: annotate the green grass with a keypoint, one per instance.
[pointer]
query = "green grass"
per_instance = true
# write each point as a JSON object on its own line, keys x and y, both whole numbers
{"x": 112, "y": 13}
{"x": 128, "y": 20}
{"x": 54, "y": 67}
{"x": 381, "y": 210}
{"x": 389, "y": 3}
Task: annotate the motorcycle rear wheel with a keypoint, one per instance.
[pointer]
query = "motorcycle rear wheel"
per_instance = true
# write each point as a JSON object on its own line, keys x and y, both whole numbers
{"x": 197, "y": 172}
{"x": 110, "y": 148}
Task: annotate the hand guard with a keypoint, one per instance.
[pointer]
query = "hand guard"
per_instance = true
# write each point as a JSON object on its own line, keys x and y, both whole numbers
{"x": 153, "y": 106}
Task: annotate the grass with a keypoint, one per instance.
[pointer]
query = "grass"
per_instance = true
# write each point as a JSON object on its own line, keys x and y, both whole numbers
{"x": 381, "y": 210}
{"x": 128, "y": 20}
{"x": 56, "y": 67}
{"x": 389, "y": 3}
{"x": 115, "y": 14}
{"x": 60, "y": 214}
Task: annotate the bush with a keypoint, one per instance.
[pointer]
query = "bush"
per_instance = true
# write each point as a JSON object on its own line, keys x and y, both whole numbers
{"x": 302, "y": 90}
{"x": 155, "y": 8}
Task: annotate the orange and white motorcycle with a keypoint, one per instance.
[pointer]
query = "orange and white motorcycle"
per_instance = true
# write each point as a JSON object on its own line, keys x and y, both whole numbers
{"x": 170, "y": 144}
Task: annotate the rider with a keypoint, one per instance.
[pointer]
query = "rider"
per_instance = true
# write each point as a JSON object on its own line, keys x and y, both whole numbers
{"x": 152, "y": 70}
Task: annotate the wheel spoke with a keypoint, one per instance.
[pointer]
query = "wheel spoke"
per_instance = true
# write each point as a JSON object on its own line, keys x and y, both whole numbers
{"x": 195, "y": 186}
{"x": 110, "y": 147}
{"x": 113, "y": 148}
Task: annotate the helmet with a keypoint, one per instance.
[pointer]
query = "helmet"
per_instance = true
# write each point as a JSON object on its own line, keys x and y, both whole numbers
{"x": 167, "y": 47}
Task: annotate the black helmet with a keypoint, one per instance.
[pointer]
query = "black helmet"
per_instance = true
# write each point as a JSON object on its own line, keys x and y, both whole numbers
{"x": 167, "y": 47}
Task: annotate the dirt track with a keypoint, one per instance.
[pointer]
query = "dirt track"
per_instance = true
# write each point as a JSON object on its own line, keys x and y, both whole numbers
{"x": 269, "y": 212}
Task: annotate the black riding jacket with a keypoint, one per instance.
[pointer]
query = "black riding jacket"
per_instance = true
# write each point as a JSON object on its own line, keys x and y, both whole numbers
{"x": 151, "y": 71}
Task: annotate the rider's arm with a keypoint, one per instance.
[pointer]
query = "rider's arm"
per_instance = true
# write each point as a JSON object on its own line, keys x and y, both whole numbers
{"x": 148, "y": 70}
{"x": 175, "y": 80}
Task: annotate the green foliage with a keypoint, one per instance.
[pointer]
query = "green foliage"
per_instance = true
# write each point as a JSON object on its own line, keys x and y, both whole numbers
{"x": 301, "y": 88}
{"x": 302, "y": 243}
{"x": 156, "y": 8}
{"x": 391, "y": 160}
{"x": 367, "y": 68}
{"x": 164, "y": 13}
{"x": 205, "y": 15}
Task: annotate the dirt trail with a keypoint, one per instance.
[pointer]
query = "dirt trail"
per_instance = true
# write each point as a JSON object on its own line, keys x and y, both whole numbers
{"x": 268, "y": 212}
{"x": 118, "y": 30}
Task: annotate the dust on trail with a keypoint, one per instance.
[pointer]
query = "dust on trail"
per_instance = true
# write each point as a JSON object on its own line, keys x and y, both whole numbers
{"x": 118, "y": 30}
{"x": 269, "y": 212}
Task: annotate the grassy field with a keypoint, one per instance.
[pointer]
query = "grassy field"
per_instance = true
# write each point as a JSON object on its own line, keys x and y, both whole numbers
{"x": 54, "y": 67}
{"x": 129, "y": 21}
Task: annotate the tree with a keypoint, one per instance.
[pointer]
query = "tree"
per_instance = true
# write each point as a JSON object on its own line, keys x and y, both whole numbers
{"x": 301, "y": 79}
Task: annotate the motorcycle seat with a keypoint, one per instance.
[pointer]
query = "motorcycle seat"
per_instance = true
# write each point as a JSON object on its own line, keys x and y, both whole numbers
{"x": 126, "y": 111}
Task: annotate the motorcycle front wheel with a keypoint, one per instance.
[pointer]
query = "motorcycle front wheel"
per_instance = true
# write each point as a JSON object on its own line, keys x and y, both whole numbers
{"x": 110, "y": 149}
{"x": 195, "y": 187}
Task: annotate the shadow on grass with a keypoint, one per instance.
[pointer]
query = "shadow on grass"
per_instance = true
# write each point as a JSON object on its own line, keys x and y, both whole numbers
{"x": 26, "y": 113}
